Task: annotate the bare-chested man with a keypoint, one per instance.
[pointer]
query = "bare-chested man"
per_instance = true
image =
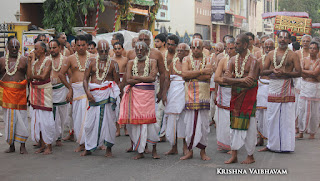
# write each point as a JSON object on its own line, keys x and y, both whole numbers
{"x": 309, "y": 102}
{"x": 102, "y": 92}
{"x": 137, "y": 107}
{"x": 73, "y": 45}
{"x": 199, "y": 36}
{"x": 65, "y": 47}
{"x": 160, "y": 43}
{"x": 197, "y": 71}
{"x": 282, "y": 65}
{"x": 117, "y": 37}
{"x": 92, "y": 47}
{"x": 13, "y": 69}
{"x": 59, "y": 91}
{"x": 122, "y": 62}
{"x": 77, "y": 64}
{"x": 262, "y": 96}
{"x": 42, "y": 121}
{"x": 223, "y": 97}
{"x": 251, "y": 46}
{"x": 169, "y": 55}
{"x": 257, "y": 42}
{"x": 175, "y": 103}
{"x": 260, "y": 53}
{"x": 302, "y": 53}
{"x": 242, "y": 75}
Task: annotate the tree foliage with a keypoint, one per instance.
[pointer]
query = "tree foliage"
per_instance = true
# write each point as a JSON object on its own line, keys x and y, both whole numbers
{"x": 312, "y": 7}
{"x": 62, "y": 14}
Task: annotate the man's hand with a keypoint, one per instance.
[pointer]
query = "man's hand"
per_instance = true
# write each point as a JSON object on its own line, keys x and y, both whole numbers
{"x": 68, "y": 45}
{"x": 278, "y": 72}
{"x": 206, "y": 71}
{"x": 164, "y": 100}
{"x": 31, "y": 57}
{"x": 91, "y": 98}
{"x": 248, "y": 81}
{"x": 69, "y": 96}
{"x": 159, "y": 97}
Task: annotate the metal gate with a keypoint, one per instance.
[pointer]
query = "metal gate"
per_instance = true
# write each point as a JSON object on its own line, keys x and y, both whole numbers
{"x": 6, "y": 30}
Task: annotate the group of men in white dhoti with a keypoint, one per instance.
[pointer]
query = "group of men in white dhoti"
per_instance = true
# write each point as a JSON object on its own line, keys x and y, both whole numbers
{"x": 247, "y": 91}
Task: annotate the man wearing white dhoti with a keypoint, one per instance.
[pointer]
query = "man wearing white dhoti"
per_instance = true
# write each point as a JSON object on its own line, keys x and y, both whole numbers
{"x": 283, "y": 65}
{"x": 59, "y": 91}
{"x": 262, "y": 95}
{"x": 223, "y": 97}
{"x": 174, "y": 101}
{"x": 13, "y": 96}
{"x": 102, "y": 93}
{"x": 309, "y": 102}
{"x": 77, "y": 64}
{"x": 197, "y": 71}
{"x": 42, "y": 122}
{"x": 243, "y": 100}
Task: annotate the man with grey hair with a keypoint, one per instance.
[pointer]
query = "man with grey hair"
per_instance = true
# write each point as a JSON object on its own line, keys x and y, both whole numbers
{"x": 262, "y": 95}
{"x": 302, "y": 53}
{"x": 223, "y": 97}
{"x": 174, "y": 101}
{"x": 259, "y": 54}
{"x": 137, "y": 107}
{"x": 309, "y": 102}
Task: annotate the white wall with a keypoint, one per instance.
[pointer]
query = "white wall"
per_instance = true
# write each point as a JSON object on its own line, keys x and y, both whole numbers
{"x": 9, "y": 7}
{"x": 182, "y": 17}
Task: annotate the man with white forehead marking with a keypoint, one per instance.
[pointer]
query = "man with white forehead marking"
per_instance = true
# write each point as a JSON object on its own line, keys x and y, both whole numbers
{"x": 103, "y": 93}
{"x": 281, "y": 65}
{"x": 13, "y": 96}
{"x": 196, "y": 71}
{"x": 137, "y": 107}
{"x": 77, "y": 64}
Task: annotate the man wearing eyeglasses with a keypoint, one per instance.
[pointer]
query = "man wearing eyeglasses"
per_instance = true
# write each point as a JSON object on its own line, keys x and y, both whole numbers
{"x": 281, "y": 65}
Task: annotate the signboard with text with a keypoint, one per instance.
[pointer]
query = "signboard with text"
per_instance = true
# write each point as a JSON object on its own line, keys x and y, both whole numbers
{"x": 217, "y": 10}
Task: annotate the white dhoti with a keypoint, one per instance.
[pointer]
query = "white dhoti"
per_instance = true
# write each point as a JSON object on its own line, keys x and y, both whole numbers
{"x": 43, "y": 122}
{"x": 297, "y": 89}
{"x": 174, "y": 115}
{"x": 309, "y": 104}
{"x": 212, "y": 92}
{"x": 16, "y": 125}
{"x": 143, "y": 134}
{"x": 281, "y": 116}
{"x": 100, "y": 124}
{"x": 222, "y": 118}
{"x": 79, "y": 111}
{"x": 261, "y": 112}
{"x": 197, "y": 128}
{"x": 60, "y": 108}
{"x": 248, "y": 138}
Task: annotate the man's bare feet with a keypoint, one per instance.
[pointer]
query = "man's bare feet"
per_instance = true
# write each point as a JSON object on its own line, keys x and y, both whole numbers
{"x": 229, "y": 152}
{"x": 173, "y": 151}
{"x": 48, "y": 150}
{"x": 58, "y": 143}
{"x": 231, "y": 160}
{"x": 23, "y": 149}
{"x": 102, "y": 147}
{"x": 37, "y": 145}
{"x": 189, "y": 155}
{"x": 264, "y": 149}
{"x": 203, "y": 155}
{"x": 80, "y": 148}
{"x": 85, "y": 153}
{"x": 70, "y": 137}
{"x": 40, "y": 150}
{"x": 163, "y": 139}
{"x": 140, "y": 155}
{"x": 185, "y": 147}
{"x": 118, "y": 133}
{"x": 11, "y": 149}
{"x": 146, "y": 150}
{"x": 249, "y": 160}
{"x": 129, "y": 149}
{"x": 260, "y": 142}
{"x": 126, "y": 131}
{"x": 297, "y": 130}
{"x": 300, "y": 136}
{"x": 311, "y": 136}
{"x": 108, "y": 152}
